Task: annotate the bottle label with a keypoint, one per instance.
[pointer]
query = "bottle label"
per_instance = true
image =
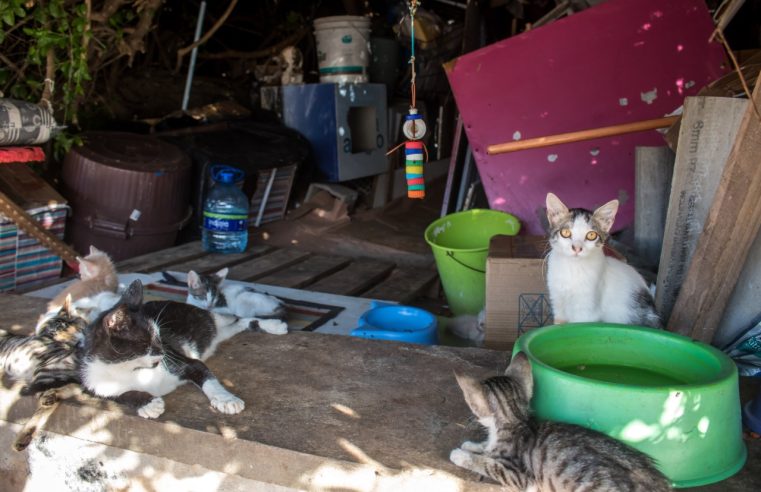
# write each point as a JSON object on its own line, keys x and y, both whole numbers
{"x": 224, "y": 222}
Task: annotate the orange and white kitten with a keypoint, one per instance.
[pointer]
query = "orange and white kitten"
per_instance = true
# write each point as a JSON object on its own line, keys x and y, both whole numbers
{"x": 96, "y": 273}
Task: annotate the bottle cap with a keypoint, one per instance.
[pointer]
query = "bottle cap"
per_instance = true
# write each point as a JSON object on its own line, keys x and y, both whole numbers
{"x": 226, "y": 174}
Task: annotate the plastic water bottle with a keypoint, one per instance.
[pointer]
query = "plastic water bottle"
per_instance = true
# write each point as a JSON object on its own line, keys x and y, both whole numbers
{"x": 225, "y": 213}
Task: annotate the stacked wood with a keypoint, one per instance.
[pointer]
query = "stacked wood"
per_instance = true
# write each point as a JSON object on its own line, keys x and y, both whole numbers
{"x": 733, "y": 222}
{"x": 709, "y": 126}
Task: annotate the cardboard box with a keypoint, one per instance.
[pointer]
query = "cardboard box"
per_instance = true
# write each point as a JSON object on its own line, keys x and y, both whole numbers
{"x": 23, "y": 259}
{"x": 516, "y": 289}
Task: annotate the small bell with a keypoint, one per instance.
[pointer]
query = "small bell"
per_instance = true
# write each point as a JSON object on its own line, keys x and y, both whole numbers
{"x": 414, "y": 126}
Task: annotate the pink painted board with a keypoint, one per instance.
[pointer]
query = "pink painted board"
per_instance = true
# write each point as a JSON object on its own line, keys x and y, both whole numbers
{"x": 619, "y": 62}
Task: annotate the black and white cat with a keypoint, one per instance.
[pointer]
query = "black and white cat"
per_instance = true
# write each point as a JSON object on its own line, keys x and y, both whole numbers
{"x": 210, "y": 292}
{"x": 137, "y": 352}
{"x": 583, "y": 283}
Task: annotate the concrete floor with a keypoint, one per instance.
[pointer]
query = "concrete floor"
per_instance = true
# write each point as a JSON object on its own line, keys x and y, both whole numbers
{"x": 322, "y": 412}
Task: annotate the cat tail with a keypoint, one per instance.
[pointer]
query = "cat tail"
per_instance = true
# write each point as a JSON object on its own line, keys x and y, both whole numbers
{"x": 469, "y": 327}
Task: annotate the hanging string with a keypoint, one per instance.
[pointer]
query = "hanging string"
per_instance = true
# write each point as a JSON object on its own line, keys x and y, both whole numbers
{"x": 415, "y": 150}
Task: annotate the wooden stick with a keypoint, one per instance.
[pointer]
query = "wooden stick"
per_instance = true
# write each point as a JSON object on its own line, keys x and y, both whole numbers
{"x": 561, "y": 138}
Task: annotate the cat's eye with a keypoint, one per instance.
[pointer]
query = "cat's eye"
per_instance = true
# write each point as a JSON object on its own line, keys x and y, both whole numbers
{"x": 565, "y": 232}
{"x": 591, "y": 236}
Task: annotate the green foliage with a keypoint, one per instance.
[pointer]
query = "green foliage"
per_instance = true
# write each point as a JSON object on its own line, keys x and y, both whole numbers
{"x": 28, "y": 32}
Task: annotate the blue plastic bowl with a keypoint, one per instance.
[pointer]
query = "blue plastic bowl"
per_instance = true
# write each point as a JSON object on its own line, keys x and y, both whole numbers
{"x": 397, "y": 323}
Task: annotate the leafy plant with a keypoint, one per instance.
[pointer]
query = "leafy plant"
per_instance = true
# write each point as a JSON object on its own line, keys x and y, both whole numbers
{"x": 52, "y": 50}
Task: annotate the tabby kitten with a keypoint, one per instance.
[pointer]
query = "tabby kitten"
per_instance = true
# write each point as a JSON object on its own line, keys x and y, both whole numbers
{"x": 97, "y": 273}
{"x": 583, "y": 283}
{"x": 210, "y": 292}
{"x": 523, "y": 454}
{"x": 136, "y": 353}
{"x": 47, "y": 359}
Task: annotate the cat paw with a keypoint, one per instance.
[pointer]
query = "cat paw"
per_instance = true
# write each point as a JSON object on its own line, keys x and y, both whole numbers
{"x": 152, "y": 409}
{"x": 459, "y": 457}
{"x": 227, "y": 403}
{"x": 473, "y": 447}
{"x": 273, "y": 326}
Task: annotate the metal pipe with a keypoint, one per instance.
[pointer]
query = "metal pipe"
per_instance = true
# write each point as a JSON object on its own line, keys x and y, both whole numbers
{"x": 193, "y": 56}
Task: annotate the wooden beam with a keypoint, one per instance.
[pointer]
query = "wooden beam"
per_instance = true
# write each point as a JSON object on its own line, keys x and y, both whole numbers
{"x": 731, "y": 227}
{"x": 653, "y": 168}
{"x": 709, "y": 127}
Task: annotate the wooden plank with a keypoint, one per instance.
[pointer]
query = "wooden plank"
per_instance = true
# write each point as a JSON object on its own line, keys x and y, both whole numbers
{"x": 653, "y": 168}
{"x": 403, "y": 285}
{"x": 159, "y": 260}
{"x": 730, "y": 229}
{"x": 356, "y": 278}
{"x": 266, "y": 264}
{"x": 306, "y": 272}
{"x": 709, "y": 126}
{"x": 213, "y": 262}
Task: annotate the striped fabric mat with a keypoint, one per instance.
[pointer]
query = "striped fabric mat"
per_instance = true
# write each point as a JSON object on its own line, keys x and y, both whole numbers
{"x": 300, "y": 315}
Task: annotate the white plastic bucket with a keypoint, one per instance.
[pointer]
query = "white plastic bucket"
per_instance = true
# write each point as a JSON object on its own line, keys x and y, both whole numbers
{"x": 343, "y": 48}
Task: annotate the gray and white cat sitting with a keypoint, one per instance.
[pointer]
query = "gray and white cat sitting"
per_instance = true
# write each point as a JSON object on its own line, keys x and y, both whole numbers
{"x": 212, "y": 293}
{"x": 135, "y": 353}
{"x": 523, "y": 454}
{"x": 583, "y": 283}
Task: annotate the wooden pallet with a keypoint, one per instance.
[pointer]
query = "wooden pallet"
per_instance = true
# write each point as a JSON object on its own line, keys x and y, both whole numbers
{"x": 287, "y": 267}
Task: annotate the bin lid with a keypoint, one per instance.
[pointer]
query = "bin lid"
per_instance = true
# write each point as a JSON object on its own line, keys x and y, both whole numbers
{"x": 132, "y": 152}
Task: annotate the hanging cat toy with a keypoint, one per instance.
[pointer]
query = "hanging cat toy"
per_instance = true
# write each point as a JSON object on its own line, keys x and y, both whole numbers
{"x": 415, "y": 151}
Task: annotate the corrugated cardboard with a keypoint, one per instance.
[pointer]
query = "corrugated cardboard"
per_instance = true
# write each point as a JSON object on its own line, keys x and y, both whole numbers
{"x": 516, "y": 289}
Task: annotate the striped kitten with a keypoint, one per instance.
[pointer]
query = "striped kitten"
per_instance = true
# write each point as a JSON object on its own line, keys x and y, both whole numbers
{"x": 47, "y": 359}
{"x": 523, "y": 454}
{"x": 584, "y": 284}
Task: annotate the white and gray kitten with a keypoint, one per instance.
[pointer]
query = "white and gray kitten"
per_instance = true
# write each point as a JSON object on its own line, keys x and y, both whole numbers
{"x": 523, "y": 454}
{"x": 210, "y": 292}
{"x": 584, "y": 284}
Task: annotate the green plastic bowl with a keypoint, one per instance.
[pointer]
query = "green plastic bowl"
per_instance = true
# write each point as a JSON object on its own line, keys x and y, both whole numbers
{"x": 671, "y": 397}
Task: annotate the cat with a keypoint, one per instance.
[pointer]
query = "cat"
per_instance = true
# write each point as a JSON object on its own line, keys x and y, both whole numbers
{"x": 210, "y": 292}
{"x": 523, "y": 454}
{"x": 135, "y": 353}
{"x": 97, "y": 273}
{"x": 583, "y": 283}
{"x": 469, "y": 327}
{"x": 49, "y": 358}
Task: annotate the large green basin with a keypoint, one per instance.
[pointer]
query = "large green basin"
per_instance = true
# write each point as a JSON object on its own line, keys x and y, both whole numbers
{"x": 668, "y": 396}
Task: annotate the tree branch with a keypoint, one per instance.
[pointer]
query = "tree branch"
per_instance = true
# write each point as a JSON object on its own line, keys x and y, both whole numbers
{"x": 187, "y": 49}
{"x": 109, "y": 9}
{"x": 263, "y": 53}
{"x": 135, "y": 41}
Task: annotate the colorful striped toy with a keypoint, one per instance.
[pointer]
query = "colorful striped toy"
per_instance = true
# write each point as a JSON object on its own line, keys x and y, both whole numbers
{"x": 413, "y": 160}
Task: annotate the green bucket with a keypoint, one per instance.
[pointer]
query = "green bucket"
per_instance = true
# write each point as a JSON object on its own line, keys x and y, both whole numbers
{"x": 460, "y": 243}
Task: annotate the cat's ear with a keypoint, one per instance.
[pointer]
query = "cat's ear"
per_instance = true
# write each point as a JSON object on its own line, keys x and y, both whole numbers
{"x": 133, "y": 296}
{"x": 95, "y": 251}
{"x": 222, "y": 274}
{"x": 194, "y": 281}
{"x": 473, "y": 391}
{"x": 556, "y": 210}
{"x": 66, "y": 307}
{"x": 520, "y": 370}
{"x": 606, "y": 214}
{"x": 115, "y": 319}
